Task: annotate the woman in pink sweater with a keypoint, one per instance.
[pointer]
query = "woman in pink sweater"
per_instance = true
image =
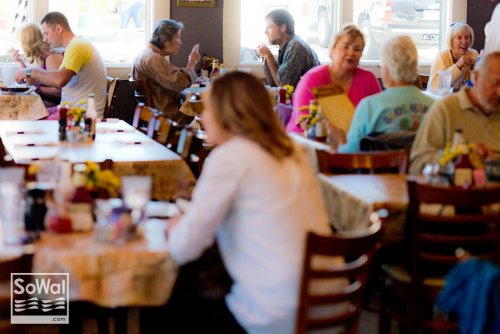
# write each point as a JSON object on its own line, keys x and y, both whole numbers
{"x": 345, "y": 53}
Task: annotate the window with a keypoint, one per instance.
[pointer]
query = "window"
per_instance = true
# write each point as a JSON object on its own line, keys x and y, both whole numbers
{"x": 116, "y": 27}
{"x": 318, "y": 20}
{"x": 313, "y": 22}
{"x": 12, "y": 15}
{"x": 383, "y": 19}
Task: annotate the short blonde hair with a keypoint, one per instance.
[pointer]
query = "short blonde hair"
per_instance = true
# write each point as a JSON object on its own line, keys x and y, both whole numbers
{"x": 30, "y": 37}
{"x": 244, "y": 108}
{"x": 399, "y": 55}
{"x": 351, "y": 31}
{"x": 454, "y": 29}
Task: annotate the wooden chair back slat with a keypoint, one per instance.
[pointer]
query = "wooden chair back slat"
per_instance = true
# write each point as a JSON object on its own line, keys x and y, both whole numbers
{"x": 394, "y": 161}
{"x": 357, "y": 252}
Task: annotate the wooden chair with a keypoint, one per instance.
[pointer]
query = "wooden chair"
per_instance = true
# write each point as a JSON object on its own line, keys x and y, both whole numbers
{"x": 142, "y": 91}
{"x": 19, "y": 264}
{"x": 376, "y": 162}
{"x": 422, "y": 81}
{"x": 111, "y": 86}
{"x": 168, "y": 132}
{"x": 408, "y": 292}
{"x": 191, "y": 148}
{"x": 344, "y": 303}
{"x": 145, "y": 119}
{"x": 121, "y": 101}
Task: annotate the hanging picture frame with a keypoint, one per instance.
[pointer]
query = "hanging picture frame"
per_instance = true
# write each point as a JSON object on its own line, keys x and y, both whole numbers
{"x": 195, "y": 3}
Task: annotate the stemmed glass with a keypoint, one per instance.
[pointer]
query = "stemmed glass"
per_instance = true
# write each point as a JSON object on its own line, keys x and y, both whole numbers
{"x": 136, "y": 191}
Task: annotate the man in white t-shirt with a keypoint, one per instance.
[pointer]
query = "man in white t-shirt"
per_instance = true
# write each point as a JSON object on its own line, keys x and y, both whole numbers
{"x": 82, "y": 70}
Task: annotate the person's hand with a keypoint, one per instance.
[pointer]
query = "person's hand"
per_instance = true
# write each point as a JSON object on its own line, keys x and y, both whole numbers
{"x": 171, "y": 223}
{"x": 263, "y": 51}
{"x": 465, "y": 61}
{"x": 15, "y": 54}
{"x": 194, "y": 56}
{"x": 336, "y": 136}
{"x": 21, "y": 76}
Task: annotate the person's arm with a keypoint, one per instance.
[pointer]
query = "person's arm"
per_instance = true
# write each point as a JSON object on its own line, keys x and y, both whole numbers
{"x": 430, "y": 140}
{"x": 52, "y": 62}
{"x": 441, "y": 62}
{"x": 167, "y": 75}
{"x": 301, "y": 99}
{"x": 54, "y": 78}
{"x": 194, "y": 57}
{"x": 14, "y": 54}
{"x": 269, "y": 63}
{"x": 212, "y": 200}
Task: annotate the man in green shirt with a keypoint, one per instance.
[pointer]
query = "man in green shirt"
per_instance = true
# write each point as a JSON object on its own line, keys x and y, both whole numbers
{"x": 475, "y": 110}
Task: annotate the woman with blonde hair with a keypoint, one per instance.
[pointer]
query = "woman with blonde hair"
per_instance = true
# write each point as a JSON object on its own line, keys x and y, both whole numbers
{"x": 457, "y": 59}
{"x": 257, "y": 197}
{"x": 357, "y": 83}
{"x": 38, "y": 53}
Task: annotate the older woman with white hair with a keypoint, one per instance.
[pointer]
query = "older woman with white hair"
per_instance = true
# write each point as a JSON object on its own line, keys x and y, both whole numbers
{"x": 458, "y": 58}
{"x": 398, "y": 108}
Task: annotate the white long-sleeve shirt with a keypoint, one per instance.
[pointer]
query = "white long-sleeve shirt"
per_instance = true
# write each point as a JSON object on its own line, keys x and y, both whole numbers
{"x": 260, "y": 210}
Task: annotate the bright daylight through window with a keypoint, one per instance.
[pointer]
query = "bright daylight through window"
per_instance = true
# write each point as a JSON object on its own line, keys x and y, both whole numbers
{"x": 116, "y": 27}
{"x": 316, "y": 21}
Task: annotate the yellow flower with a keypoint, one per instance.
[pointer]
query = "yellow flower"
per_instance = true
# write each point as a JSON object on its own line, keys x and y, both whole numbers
{"x": 451, "y": 153}
{"x": 34, "y": 168}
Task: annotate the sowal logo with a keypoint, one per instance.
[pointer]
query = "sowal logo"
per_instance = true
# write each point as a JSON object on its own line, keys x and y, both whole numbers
{"x": 39, "y": 298}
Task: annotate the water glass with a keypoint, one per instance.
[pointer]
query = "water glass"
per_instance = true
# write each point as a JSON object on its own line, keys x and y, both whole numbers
{"x": 12, "y": 205}
{"x": 136, "y": 191}
{"x": 444, "y": 85}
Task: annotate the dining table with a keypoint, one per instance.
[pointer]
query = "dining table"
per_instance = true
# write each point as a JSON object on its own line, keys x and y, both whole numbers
{"x": 351, "y": 199}
{"x": 21, "y": 106}
{"x": 134, "y": 273}
{"x": 132, "y": 152}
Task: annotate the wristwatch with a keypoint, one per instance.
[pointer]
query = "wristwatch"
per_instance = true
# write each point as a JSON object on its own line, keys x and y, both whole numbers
{"x": 28, "y": 72}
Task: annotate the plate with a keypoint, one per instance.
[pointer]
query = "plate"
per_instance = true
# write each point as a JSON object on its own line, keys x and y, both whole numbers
{"x": 17, "y": 90}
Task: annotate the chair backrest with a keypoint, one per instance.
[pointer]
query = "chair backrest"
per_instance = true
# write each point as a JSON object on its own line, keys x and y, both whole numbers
{"x": 376, "y": 162}
{"x": 168, "y": 132}
{"x": 344, "y": 302}
{"x": 111, "y": 85}
{"x": 459, "y": 220}
{"x": 121, "y": 101}
{"x": 142, "y": 91}
{"x": 396, "y": 140}
{"x": 145, "y": 119}
{"x": 422, "y": 81}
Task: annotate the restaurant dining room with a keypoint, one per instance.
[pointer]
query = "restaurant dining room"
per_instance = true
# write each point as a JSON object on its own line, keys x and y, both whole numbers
{"x": 249, "y": 166}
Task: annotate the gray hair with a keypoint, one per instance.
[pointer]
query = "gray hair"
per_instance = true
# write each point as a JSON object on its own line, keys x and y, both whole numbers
{"x": 483, "y": 64}
{"x": 454, "y": 29}
{"x": 164, "y": 31}
{"x": 399, "y": 55}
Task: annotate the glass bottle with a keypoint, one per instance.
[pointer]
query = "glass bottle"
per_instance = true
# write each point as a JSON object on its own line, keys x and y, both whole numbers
{"x": 63, "y": 111}
{"x": 463, "y": 167}
{"x": 80, "y": 204}
{"x": 90, "y": 117}
{"x": 215, "y": 69}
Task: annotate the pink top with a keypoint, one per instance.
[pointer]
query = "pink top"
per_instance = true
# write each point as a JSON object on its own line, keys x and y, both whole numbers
{"x": 364, "y": 83}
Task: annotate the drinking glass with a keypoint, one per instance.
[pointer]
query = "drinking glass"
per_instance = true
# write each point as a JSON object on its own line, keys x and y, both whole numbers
{"x": 444, "y": 86}
{"x": 12, "y": 205}
{"x": 136, "y": 191}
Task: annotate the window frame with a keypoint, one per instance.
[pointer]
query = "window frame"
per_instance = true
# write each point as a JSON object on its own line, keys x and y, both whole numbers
{"x": 453, "y": 10}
